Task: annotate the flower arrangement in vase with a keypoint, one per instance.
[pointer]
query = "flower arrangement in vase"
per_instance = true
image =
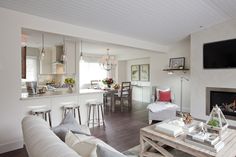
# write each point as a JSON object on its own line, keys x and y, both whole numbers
{"x": 116, "y": 86}
{"x": 108, "y": 82}
{"x": 70, "y": 82}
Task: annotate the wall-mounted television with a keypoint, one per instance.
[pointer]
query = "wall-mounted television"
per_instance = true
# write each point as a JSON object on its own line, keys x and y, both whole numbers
{"x": 219, "y": 55}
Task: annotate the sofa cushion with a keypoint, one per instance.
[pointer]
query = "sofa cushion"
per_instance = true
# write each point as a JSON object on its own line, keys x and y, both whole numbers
{"x": 72, "y": 138}
{"x": 85, "y": 149}
{"x": 104, "y": 152}
{"x": 68, "y": 124}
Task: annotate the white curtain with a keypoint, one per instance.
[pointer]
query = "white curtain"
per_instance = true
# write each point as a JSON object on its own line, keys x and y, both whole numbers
{"x": 91, "y": 71}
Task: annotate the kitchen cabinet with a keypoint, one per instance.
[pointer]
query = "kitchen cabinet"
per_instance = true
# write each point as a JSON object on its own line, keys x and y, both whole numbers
{"x": 52, "y": 62}
{"x": 59, "y": 56}
{"x": 70, "y": 49}
{"x": 23, "y": 62}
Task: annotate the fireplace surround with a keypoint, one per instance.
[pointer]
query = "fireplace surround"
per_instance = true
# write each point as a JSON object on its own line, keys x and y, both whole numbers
{"x": 225, "y": 98}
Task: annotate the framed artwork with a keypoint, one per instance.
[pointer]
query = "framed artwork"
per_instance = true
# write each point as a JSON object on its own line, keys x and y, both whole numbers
{"x": 135, "y": 72}
{"x": 144, "y": 72}
{"x": 177, "y": 63}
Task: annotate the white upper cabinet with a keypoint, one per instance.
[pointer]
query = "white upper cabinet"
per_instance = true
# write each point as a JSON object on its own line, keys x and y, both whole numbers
{"x": 70, "y": 51}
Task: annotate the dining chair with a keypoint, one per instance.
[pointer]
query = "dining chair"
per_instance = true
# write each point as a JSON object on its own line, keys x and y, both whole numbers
{"x": 94, "y": 83}
{"x": 124, "y": 94}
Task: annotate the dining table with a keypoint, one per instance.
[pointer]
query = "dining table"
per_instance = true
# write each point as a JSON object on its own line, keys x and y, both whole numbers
{"x": 111, "y": 92}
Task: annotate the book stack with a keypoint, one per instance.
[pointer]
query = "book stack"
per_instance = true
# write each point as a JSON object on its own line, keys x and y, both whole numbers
{"x": 169, "y": 129}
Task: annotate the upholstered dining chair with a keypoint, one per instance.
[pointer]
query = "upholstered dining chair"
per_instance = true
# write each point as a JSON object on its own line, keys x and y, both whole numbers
{"x": 125, "y": 94}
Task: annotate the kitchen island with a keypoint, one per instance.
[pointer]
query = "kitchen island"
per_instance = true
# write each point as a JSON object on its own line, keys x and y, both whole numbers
{"x": 56, "y": 102}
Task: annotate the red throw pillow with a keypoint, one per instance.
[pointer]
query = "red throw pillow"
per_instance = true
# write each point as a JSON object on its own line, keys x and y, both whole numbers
{"x": 165, "y": 96}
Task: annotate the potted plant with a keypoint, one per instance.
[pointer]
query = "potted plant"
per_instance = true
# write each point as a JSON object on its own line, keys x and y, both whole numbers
{"x": 217, "y": 122}
{"x": 116, "y": 86}
{"x": 70, "y": 82}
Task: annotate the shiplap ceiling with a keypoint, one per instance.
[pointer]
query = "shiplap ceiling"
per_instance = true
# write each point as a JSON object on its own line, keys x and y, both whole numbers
{"x": 157, "y": 21}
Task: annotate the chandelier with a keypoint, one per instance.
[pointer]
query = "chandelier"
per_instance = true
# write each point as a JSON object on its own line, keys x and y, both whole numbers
{"x": 107, "y": 62}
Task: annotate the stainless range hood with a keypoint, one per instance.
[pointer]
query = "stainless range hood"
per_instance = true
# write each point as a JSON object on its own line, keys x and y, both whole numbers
{"x": 58, "y": 55}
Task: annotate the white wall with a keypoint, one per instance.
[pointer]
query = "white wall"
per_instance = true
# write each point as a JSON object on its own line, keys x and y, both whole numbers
{"x": 163, "y": 79}
{"x": 200, "y": 78}
{"x": 160, "y": 78}
{"x": 121, "y": 71}
{"x": 11, "y": 112}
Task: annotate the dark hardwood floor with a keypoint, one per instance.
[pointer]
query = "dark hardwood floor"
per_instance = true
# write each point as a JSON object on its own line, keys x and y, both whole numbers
{"x": 121, "y": 132}
{"x": 122, "y": 128}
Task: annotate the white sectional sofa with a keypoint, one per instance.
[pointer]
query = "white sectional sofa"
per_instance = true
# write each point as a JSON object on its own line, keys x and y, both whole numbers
{"x": 40, "y": 140}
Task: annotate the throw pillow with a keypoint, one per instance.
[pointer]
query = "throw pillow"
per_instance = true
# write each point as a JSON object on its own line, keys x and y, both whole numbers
{"x": 165, "y": 96}
{"x": 68, "y": 124}
{"x": 72, "y": 138}
{"x": 104, "y": 152}
{"x": 85, "y": 146}
{"x": 85, "y": 149}
{"x": 157, "y": 96}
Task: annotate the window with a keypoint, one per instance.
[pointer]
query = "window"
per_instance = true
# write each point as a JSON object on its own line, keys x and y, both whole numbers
{"x": 91, "y": 71}
{"x": 31, "y": 69}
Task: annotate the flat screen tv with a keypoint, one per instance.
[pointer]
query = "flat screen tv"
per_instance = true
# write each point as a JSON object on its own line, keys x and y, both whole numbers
{"x": 219, "y": 55}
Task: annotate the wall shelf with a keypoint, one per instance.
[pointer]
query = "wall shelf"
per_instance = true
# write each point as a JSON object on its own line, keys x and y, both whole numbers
{"x": 176, "y": 69}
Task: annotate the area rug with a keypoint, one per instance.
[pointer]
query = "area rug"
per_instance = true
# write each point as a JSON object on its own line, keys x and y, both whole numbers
{"x": 134, "y": 152}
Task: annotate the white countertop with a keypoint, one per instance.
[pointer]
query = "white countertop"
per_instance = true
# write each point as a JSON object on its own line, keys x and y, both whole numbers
{"x": 90, "y": 91}
{"x": 26, "y": 96}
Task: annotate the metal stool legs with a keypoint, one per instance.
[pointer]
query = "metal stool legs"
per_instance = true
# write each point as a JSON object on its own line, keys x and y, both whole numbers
{"x": 99, "y": 110}
{"x": 73, "y": 109}
{"x": 89, "y": 114}
{"x": 46, "y": 115}
{"x": 79, "y": 115}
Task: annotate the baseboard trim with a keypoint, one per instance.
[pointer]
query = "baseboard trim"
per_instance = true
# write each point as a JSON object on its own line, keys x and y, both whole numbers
{"x": 11, "y": 146}
{"x": 186, "y": 109}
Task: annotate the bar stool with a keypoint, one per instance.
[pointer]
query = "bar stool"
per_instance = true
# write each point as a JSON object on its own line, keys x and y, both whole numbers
{"x": 94, "y": 105}
{"x": 72, "y": 107}
{"x": 45, "y": 112}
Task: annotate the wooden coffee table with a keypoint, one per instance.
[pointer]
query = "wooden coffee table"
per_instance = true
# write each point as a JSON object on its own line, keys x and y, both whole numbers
{"x": 158, "y": 141}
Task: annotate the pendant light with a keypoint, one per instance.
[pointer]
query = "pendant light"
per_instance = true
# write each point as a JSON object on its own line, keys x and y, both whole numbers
{"x": 81, "y": 52}
{"x": 43, "y": 50}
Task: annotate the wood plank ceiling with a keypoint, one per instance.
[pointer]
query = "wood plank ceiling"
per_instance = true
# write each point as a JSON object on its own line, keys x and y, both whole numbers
{"x": 156, "y": 21}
